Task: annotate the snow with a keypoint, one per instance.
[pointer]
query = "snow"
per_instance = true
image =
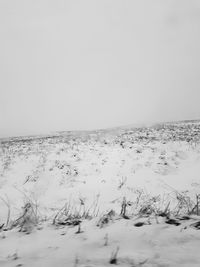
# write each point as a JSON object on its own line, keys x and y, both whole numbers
{"x": 95, "y": 172}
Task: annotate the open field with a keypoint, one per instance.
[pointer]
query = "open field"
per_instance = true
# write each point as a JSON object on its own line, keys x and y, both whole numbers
{"x": 127, "y": 196}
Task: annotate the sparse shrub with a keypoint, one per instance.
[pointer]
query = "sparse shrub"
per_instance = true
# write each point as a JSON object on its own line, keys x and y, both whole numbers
{"x": 7, "y": 203}
{"x": 106, "y": 240}
{"x": 124, "y": 205}
{"x": 122, "y": 182}
{"x": 185, "y": 205}
{"x": 195, "y": 209}
{"x": 70, "y": 215}
{"x": 71, "y": 220}
{"x": 79, "y": 231}
{"x": 105, "y": 219}
{"x": 147, "y": 204}
{"x": 166, "y": 211}
{"x": 113, "y": 259}
{"x": 28, "y": 220}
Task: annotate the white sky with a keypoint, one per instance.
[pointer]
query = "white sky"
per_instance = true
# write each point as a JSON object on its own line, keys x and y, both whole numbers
{"x": 73, "y": 65}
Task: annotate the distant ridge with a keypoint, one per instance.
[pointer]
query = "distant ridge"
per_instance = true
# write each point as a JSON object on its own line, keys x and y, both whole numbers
{"x": 95, "y": 131}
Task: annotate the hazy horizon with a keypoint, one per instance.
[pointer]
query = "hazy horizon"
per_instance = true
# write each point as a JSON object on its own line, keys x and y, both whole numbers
{"x": 73, "y": 65}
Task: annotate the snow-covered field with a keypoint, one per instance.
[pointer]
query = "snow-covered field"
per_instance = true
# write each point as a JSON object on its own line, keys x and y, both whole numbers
{"x": 126, "y": 196}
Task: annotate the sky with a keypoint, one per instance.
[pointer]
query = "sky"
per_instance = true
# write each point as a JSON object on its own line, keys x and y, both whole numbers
{"x": 82, "y": 65}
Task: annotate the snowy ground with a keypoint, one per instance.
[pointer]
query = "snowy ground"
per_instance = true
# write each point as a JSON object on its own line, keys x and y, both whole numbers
{"x": 66, "y": 193}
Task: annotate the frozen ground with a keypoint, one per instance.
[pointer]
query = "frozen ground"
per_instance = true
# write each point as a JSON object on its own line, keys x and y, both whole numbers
{"x": 76, "y": 199}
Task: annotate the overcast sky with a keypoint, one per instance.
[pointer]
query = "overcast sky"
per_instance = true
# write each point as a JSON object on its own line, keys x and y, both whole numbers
{"x": 75, "y": 65}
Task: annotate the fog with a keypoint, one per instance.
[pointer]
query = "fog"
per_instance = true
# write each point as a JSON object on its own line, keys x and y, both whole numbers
{"x": 79, "y": 65}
